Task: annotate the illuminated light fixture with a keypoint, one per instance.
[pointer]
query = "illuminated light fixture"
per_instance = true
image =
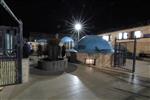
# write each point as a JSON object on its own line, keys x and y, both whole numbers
{"x": 78, "y": 26}
{"x": 137, "y": 34}
{"x": 106, "y": 37}
{"x": 90, "y": 61}
{"x": 120, "y": 36}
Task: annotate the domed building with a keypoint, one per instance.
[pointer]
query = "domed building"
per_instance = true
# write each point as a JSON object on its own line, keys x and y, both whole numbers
{"x": 68, "y": 42}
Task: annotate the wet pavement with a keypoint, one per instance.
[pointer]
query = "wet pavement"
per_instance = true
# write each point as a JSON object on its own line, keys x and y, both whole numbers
{"x": 79, "y": 82}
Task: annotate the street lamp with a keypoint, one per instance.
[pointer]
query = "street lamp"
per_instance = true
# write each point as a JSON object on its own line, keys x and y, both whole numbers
{"x": 78, "y": 27}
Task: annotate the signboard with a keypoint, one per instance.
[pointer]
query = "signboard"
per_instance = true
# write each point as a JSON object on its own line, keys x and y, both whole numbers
{"x": 146, "y": 35}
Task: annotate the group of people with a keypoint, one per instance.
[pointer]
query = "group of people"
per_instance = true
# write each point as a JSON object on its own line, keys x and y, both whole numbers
{"x": 28, "y": 50}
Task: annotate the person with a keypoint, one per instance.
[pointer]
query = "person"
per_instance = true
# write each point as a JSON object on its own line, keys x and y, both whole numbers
{"x": 26, "y": 50}
{"x": 39, "y": 51}
{"x": 31, "y": 48}
{"x": 63, "y": 52}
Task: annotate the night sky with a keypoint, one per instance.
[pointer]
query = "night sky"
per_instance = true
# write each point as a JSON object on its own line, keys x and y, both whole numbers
{"x": 51, "y": 15}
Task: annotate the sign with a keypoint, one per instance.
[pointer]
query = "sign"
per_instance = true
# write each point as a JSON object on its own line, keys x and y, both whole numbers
{"x": 146, "y": 35}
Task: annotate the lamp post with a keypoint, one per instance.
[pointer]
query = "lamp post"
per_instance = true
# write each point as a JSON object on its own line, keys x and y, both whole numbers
{"x": 20, "y": 38}
{"x": 78, "y": 27}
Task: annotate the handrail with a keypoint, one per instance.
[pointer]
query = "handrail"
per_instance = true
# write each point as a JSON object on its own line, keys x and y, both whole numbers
{"x": 2, "y": 2}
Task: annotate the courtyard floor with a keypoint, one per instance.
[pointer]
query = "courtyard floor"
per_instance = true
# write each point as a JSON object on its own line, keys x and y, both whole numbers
{"x": 79, "y": 82}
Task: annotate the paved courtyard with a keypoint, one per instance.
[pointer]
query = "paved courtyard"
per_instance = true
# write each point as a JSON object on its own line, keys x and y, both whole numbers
{"x": 79, "y": 82}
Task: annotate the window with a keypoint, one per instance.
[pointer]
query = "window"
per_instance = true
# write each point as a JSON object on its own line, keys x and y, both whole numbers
{"x": 131, "y": 35}
{"x": 8, "y": 41}
{"x": 120, "y": 36}
{"x": 137, "y": 34}
{"x": 123, "y": 35}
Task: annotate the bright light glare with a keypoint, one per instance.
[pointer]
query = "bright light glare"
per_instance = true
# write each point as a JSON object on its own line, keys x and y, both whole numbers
{"x": 78, "y": 26}
{"x": 89, "y": 61}
{"x": 138, "y": 34}
{"x": 106, "y": 37}
{"x": 120, "y": 36}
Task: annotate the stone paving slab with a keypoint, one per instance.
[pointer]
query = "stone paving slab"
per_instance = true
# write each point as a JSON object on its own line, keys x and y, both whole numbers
{"x": 81, "y": 83}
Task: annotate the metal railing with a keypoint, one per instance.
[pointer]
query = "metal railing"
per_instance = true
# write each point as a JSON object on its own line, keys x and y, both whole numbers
{"x": 8, "y": 59}
{"x": 8, "y": 67}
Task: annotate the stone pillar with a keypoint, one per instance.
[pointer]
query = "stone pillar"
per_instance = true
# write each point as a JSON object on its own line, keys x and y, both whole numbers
{"x": 25, "y": 70}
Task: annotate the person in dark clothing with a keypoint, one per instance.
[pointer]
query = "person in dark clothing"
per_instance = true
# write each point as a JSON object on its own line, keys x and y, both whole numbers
{"x": 31, "y": 48}
{"x": 26, "y": 50}
{"x": 39, "y": 51}
{"x": 63, "y": 52}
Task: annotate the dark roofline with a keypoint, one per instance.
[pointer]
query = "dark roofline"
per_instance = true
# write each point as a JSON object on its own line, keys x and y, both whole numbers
{"x": 140, "y": 24}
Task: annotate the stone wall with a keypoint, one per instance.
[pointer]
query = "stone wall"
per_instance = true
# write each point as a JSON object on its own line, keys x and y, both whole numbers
{"x": 102, "y": 60}
{"x": 53, "y": 66}
{"x": 81, "y": 57}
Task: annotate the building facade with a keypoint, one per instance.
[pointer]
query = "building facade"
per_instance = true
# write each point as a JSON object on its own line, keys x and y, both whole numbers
{"x": 126, "y": 36}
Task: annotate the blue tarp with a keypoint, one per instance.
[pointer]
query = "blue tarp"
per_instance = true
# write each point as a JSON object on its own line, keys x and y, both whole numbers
{"x": 94, "y": 44}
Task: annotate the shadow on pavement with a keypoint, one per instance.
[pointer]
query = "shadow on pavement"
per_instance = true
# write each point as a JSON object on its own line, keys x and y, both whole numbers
{"x": 37, "y": 71}
{"x": 71, "y": 68}
{"x": 34, "y": 70}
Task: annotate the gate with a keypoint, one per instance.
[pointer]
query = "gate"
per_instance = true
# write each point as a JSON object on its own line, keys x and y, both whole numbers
{"x": 10, "y": 71}
{"x": 120, "y": 55}
{"x": 125, "y": 54}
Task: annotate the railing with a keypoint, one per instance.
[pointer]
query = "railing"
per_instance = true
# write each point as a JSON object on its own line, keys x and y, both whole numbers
{"x": 8, "y": 67}
{"x": 11, "y": 60}
{"x": 122, "y": 57}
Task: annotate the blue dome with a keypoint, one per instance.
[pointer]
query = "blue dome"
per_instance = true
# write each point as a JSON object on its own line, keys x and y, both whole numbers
{"x": 66, "y": 39}
{"x": 94, "y": 44}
